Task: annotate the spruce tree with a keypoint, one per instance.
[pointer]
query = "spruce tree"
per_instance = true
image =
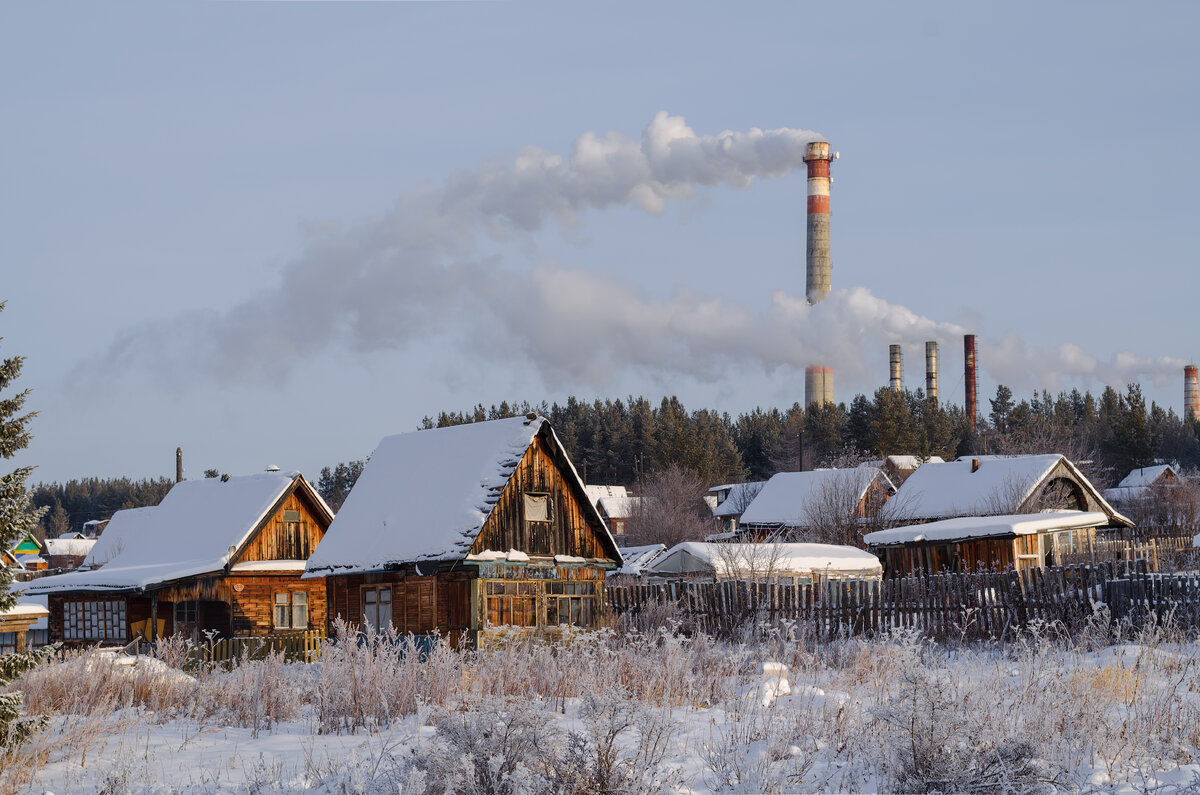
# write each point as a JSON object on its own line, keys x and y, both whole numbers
{"x": 17, "y": 514}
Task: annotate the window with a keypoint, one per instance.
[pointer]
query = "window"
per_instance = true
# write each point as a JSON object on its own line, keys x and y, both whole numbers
{"x": 291, "y": 610}
{"x": 282, "y": 613}
{"x": 570, "y": 602}
{"x": 299, "y": 610}
{"x": 94, "y": 620}
{"x": 540, "y": 603}
{"x": 185, "y": 612}
{"x": 377, "y": 607}
{"x": 537, "y": 507}
{"x": 511, "y": 603}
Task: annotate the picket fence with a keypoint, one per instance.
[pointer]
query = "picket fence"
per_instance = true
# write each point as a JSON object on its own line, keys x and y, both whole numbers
{"x": 977, "y": 606}
{"x": 299, "y": 646}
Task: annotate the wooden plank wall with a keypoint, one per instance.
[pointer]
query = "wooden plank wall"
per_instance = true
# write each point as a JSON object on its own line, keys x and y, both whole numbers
{"x": 280, "y": 540}
{"x": 989, "y": 605}
{"x": 568, "y": 532}
{"x": 421, "y": 605}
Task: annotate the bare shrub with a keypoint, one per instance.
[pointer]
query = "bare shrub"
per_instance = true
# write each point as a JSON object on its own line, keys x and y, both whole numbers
{"x": 672, "y": 509}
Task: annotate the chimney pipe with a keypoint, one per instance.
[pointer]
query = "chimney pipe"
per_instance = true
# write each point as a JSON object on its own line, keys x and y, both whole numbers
{"x": 818, "y": 381}
{"x": 178, "y": 464}
{"x": 972, "y": 406}
{"x": 895, "y": 358}
{"x": 818, "y": 385}
{"x": 931, "y": 370}
{"x": 817, "y": 263}
{"x": 1191, "y": 392}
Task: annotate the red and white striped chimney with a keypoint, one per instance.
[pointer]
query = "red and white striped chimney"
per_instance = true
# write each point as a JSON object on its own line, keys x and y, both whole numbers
{"x": 817, "y": 263}
{"x": 1191, "y": 392}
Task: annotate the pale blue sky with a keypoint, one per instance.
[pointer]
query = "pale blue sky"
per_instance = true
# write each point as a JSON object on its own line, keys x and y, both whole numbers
{"x": 1016, "y": 169}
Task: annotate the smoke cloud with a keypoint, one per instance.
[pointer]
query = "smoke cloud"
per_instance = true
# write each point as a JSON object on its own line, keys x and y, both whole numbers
{"x": 417, "y": 271}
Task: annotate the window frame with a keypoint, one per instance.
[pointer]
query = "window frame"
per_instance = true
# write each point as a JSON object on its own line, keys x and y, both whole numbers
{"x": 545, "y": 496}
{"x": 377, "y": 591}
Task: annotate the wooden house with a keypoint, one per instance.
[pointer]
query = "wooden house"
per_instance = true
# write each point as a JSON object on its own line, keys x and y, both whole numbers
{"x": 460, "y": 529}
{"x": 765, "y": 562}
{"x": 792, "y": 502}
{"x": 68, "y": 552}
{"x": 995, "y": 485}
{"x": 617, "y": 512}
{"x": 30, "y": 552}
{"x": 220, "y": 556}
{"x": 975, "y": 543}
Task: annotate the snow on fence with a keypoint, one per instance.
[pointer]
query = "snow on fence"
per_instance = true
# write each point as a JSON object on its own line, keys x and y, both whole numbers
{"x": 983, "y": 605}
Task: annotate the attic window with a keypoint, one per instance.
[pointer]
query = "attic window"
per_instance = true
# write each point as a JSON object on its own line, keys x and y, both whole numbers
{"x": 537, "y": 507}
{"x": 291, "y": 516}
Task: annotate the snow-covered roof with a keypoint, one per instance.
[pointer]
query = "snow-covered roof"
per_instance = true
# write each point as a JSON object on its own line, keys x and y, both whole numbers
{"x": 981, "y": 526}
{"x": 594, "y": 493}
{"x": 74, "y": 547}
{"x": 267, "y": 566}
{"x": 958, "y": 488}
{"x": 618, "y": 507}
{"x": 425, "y": 495}
{"x": 763, "y": 559}
{"x": 25, "y": 610}
{"x": 1145, "y": 476}
{"x": 788, "y": 498}
{"x": 738, "y": 499}
{"x": 188, "y": 534}
{"x": 637, "y": 558}
{"x": 122, "y": 530}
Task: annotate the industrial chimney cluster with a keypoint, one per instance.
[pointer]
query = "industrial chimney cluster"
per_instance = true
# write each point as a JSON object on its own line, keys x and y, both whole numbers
{"x": 818, "y": 380}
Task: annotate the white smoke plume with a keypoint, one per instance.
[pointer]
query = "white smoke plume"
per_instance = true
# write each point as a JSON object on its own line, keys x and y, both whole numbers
{"x": 416, "y": 271}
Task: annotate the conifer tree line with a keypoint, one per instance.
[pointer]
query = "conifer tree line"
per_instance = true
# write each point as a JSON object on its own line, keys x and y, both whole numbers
{"x": 625, "y": 442}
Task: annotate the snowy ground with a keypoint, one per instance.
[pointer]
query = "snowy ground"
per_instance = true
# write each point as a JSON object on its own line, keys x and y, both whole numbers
{"x": 640, "y": 713}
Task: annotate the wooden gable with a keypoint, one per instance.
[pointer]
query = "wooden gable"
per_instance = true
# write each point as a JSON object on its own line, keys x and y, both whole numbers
{"x": 1063, "y": 487}
{"x": 563, "y": 522}
{"x": 291, "y": 531}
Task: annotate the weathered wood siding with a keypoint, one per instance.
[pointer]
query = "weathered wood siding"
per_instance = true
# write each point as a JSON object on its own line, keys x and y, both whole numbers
{"x": 421, "y": 605}
{"x": 254, "y": 602}
{"x": 278, "y": 539}
{"x": 568, "y": 532}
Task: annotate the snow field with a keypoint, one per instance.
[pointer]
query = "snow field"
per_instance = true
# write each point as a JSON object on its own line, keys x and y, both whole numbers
{"x": 622, "y": 710}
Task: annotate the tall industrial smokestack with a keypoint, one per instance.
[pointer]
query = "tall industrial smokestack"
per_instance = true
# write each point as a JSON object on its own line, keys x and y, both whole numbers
{"x": 817, "y": 263}
{"x": 969, "y": 376}
{"x": 178, "y": 464}
{"x": 1191, "y": 392}
{"x": 895, "y": 358}
{"x": 818, "y": 381}
{"x": 931, "y": 370}
{"x": 818, "y": 385}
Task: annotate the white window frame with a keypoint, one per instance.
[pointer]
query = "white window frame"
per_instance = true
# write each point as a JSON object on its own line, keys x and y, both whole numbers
{"x": 281, "y": 611}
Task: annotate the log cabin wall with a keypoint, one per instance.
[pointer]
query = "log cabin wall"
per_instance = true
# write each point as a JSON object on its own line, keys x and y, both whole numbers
{"x": 568, "y": 531}
{"x": 291, "y": 533}
{"x": 254, "y": 603}
{"x": 439, "y": 603}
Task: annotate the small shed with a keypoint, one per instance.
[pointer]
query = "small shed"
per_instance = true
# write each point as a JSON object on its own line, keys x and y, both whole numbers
{"x": 459, "y": 529}
{"x": 765, "y": 562}
{"x": 639, "y": 557}
{"x": 732, "y": 501}
{"x": 219, "y": 556}
{"x": 975, "y": 543}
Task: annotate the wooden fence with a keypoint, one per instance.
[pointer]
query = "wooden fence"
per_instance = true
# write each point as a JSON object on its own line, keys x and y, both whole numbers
{"x": 984, "y": 605}
{"x": 298, "y": 646}
{"x": 1163, "y": 552}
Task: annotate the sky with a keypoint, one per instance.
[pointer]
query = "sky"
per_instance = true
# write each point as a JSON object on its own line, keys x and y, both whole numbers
{"x": 273, "y": 233}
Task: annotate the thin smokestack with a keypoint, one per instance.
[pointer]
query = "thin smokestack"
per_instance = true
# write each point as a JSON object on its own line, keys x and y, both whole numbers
{"x": 818, "y": 381}
{"x": 818, "y": 267}
{"x": 818, "y": 385}
{"x": 931, "y": 379}
{"x": 178, "y": 464}
{"x": 969, "y": 376}
{"x": 1191, "y": 392}
{"x": 895, "y": 358}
